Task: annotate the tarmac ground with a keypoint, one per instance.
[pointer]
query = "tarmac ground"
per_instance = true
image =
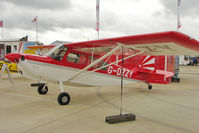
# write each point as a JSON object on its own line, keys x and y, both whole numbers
{"x": 172, "y": 108}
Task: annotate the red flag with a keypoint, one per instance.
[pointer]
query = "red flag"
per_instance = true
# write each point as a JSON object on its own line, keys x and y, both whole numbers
{"x": 1, "y": 24}
{"x": 35, "y": 19}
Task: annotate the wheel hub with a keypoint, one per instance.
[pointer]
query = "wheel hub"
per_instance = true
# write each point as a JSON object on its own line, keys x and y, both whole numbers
{"x": 64, "y": 99}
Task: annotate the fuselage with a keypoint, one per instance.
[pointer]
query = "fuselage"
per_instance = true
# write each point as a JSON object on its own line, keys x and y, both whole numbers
{"x": 45, "y": 69}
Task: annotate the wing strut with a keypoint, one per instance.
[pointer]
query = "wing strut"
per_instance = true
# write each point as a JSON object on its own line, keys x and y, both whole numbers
{"x": 117, "y": 61}
{"x": 93, "y": 50}
{"x": 95, "y": 62}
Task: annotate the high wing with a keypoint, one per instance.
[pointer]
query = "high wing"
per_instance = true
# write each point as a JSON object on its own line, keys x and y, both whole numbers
{"x": 163, "y": 43}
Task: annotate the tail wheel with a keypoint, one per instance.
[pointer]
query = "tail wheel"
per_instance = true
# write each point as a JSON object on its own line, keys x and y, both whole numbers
{"x": 149, "y": 86}
{"x": 42, "y": 90}
{"x": 63, "y": 98}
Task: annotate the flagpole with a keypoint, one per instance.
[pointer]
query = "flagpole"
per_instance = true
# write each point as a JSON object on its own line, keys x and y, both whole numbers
{"x": 2, "y": 33}
{"x": 37, "y": 28}
{"x": 1, "y": 26}
{"x": 178, "y": 18}
{"x": 97, "y": 16}
{"x": 178, "y": 15}
{"x": 98, "y": 34}
{"x": 176, "y": 67}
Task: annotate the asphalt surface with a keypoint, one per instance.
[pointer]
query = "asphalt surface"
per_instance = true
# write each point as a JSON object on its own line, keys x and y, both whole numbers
{"x": 172, "y": 108}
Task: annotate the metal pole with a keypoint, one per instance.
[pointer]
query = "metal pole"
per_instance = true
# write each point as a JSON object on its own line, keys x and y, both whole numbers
{"x": 178, "y": 15}
{"x": 97, "y": 16}
{"x": 176, "y": 68}
{"x": 122, "y": 76}
{"x": 37, "y": 29}
{"x": 98, "y": 33}
{"x": 2, "y": 33}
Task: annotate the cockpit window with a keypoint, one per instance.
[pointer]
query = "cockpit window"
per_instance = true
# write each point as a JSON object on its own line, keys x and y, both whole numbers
{"x": 76, "y": 58}
{"x": 59, "y": 53}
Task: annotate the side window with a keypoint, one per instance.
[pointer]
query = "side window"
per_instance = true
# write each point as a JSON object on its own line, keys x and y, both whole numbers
{"x": 15, "y": 48}
{"x": 8, "y": 49}
{"x": 59, "y": 53}
{"x": 76, "y": 58}
{"x": 100, "y": 64}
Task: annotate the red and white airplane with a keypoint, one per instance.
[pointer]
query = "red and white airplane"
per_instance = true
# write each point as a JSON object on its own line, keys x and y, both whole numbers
{"x": 146, "y": 58}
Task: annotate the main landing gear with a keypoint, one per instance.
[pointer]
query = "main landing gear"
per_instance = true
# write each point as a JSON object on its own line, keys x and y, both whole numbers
{"x": 63, "y": 98}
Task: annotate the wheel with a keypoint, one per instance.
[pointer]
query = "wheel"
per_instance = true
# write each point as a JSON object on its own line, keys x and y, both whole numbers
{"x": 41, "y": 90}
{"x": 63, "y": 98}
{"x": 149, "y": 87}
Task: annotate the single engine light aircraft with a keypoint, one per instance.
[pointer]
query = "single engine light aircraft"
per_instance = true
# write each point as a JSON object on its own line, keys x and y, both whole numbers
{"x": 147, "y": 58}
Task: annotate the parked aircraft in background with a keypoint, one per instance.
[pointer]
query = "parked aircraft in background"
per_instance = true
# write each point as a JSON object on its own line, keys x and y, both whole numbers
{"x": 142, "y": 58}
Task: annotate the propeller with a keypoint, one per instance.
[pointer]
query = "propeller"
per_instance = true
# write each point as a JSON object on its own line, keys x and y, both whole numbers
{"x": 13, "y": 57}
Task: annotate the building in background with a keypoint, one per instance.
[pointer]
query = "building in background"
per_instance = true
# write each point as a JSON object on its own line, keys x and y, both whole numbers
{"x": 15, "y": 46}
{"x": 188, "y": 60}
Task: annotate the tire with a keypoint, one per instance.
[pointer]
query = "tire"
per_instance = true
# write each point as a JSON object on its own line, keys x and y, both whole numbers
{"x": 41, "y": 90}
{"x": 63, "y": 98}
{"x": 149, "y": 87}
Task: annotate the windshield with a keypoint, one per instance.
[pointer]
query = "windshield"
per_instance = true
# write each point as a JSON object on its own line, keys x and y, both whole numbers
{"x": 58, "y": 52}
{"x": 53, "y": 49}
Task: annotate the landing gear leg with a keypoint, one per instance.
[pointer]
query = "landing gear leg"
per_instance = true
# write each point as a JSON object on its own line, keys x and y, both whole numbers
{"x": 149, "y": 86}
{"x": 63, "y": 98}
